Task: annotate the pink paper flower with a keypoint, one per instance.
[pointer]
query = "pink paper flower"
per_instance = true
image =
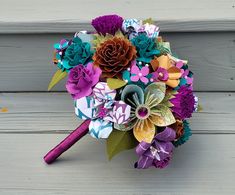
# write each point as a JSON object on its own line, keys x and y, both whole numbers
{"x": 139, "y": 74}
{"x": 81, "y": 79}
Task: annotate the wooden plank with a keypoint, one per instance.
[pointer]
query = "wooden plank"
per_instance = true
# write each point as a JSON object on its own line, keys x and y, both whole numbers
{"x": 54, "y": 112}
{"x": 205, "y": 165}
{"x": 26, "y": 64}
{"x": 27, "y": 16}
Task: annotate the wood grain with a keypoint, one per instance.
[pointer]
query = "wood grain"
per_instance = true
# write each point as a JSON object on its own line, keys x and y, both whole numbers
{"x": 26, "y": 64}
{"x": 53, "y": 112}
{"x": 205, "y": 165}
{"x": 27, "y": 16}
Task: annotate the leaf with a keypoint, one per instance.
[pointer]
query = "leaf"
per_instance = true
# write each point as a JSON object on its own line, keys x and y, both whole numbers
{"x": 115, "y": 83}
{"x": 58, "y": 76}
{"x": 148, "y": 20}
{"x": 119, "y": 141}
{"x": 199, "y": 108}
{"x": 99, "y": 39}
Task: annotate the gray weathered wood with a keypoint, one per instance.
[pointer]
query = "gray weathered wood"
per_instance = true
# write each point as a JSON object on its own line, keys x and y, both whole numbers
{"x": 26, "y": 60}
{"x": 54, "y": 112}
{"x": 204, "y": 165}
{"x": 28, "y": 16}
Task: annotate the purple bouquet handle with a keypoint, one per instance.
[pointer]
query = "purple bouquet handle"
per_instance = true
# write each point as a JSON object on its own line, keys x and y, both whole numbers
{"x": 70, "y": 140}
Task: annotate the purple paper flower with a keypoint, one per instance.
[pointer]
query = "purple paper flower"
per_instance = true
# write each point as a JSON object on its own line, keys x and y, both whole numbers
{"x": 183, "y": 103}
{"x": 107, "y": 24}
{"x": 81, "y": 79}
{"x": 158, "y": 153}
{"x": 160, "y": 74}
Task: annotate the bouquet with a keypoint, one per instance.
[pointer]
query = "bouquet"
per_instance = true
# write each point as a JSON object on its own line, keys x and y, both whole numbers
{"x": 128, "y": 88}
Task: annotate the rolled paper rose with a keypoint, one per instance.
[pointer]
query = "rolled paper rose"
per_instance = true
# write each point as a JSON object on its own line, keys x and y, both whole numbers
{"x": 78, "y": 52}
{"x": 69, "y": 141}
{"x": 146, "y": 47}
{"x": 81, "y": 80}
{"x": 109, "y": 58}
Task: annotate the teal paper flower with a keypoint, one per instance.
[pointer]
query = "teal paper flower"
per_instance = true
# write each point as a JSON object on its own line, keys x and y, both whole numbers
{"x": 185, "y": 136}
{"x": 146, "y": 47}
{"x": 77, "y": 53}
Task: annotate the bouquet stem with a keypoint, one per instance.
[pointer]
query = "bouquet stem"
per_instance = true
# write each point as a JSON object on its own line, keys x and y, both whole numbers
{"x": 70, "y": 140}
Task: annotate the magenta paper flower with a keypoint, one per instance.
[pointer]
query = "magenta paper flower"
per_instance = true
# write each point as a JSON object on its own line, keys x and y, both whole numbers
{"x": 160, "y": 74}
{"x": 107, "y": 24}
{"x": 81, "y": 79}
{"x": 139, "y": 74}
{"x": 183, "y": 103}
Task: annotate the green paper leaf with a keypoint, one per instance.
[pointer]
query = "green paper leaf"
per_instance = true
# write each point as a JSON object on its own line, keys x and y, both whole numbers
{"x": 57, "y": 77}
{"x": 115, "y": 83}
{"x": 148, "y": 20}
{"x": 119, "y": 141}
{"x": 199, "y": 108}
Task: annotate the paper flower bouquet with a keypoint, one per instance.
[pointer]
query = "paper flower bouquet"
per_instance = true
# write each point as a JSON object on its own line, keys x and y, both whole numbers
{"x": 128, "y": 88}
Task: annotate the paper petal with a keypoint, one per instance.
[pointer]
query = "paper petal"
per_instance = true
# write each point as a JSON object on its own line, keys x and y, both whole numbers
{"x": 99, "y": 128}
{"x": 164, "y": 62}
{"x": 156, "y": 91}
{"x": 144, "y": 130}
{"x": 125, "y": 127}
{"x": 174, "y": 73}
{"x": 167, "y": 135}
{"x": 172, "y": 83}
{"x": 129, "y": 91}
{"x": 121, "y": 112}
{"x": 84, "y": 108}
{"x": 102, "y": 92}
{"x": 162, "y": 116}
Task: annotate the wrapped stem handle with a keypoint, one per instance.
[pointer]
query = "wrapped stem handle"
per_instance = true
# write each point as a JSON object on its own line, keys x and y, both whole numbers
{"x": 70, "y": 140}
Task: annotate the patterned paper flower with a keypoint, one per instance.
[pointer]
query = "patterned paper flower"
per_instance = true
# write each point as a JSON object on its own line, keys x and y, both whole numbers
{"x": 146, "y": 47}
{"x": 113, "y": 56}
{"x": 157, "y": 153}
{"x": 77, "y": 53}
{"x": 81, "y": 79}
{"x": 107, "y": 24}
{"x": 183, "y": 103}
{"x": 103, "y": 110}
{"x": 147, "y": 110}
{"x": 132, "y": 27}
{"x": 168, "y": 71}
{"x": 151, "y": 30}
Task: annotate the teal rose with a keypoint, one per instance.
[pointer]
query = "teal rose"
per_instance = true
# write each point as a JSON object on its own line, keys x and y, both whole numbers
{"x": 146, "y": 47}
{"x": 77, "y": 53}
